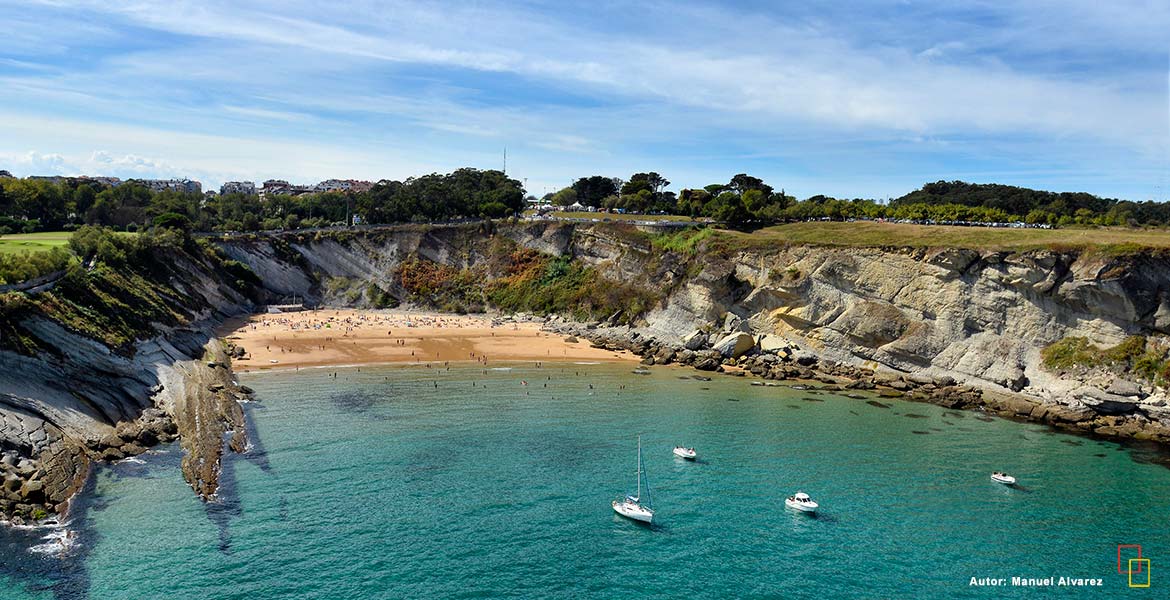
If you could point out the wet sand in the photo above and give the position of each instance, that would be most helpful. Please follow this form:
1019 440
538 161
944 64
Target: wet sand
359 337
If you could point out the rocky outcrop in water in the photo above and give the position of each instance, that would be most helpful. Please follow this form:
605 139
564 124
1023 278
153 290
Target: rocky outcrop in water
207 410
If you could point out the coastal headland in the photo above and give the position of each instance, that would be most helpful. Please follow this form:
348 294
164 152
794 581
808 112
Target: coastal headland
334 337
139 345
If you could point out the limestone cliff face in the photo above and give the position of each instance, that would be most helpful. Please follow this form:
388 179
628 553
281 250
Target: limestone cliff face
975 316
980 317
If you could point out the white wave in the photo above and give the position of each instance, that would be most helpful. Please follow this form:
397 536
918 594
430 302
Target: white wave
59 541
500 369
134 460
587 363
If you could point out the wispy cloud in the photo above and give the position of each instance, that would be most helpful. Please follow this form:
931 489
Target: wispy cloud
860 95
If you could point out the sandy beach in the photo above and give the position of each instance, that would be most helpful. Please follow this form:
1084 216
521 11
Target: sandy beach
359 337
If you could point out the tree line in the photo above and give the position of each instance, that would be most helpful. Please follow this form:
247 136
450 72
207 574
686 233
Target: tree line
28 205
747 200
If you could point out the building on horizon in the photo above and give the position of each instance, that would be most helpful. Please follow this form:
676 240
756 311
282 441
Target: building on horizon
54 179
246 188
172 185
280 187
343 185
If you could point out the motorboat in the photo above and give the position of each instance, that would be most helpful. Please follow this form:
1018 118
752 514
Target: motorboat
1003 478
684 452
633 506
800 501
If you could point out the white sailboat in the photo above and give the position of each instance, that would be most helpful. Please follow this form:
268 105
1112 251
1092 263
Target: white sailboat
632 507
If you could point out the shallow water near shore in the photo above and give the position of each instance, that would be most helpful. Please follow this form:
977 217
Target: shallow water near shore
404 481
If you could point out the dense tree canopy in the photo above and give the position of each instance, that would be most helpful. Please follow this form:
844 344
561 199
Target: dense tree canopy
34 204
38 204
591 191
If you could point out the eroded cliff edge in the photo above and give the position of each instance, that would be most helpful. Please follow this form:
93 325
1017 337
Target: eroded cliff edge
114 358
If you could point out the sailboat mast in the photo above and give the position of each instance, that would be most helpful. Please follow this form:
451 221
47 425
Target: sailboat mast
639 468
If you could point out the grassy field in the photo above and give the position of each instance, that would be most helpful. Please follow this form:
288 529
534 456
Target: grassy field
33 242
893 234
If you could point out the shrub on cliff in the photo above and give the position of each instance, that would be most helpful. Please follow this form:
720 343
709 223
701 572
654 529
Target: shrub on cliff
129 287
685 242
15 268
1133 356
442 286
544 284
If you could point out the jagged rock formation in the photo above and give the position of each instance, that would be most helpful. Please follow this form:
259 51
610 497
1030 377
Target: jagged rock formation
67 398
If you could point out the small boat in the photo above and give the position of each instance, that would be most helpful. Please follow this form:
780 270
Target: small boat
1003 478
800 501
632 507
684 452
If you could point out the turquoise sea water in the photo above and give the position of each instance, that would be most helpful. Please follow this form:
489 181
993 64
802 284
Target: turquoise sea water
378 484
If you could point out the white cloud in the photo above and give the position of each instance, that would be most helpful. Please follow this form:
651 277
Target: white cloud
797 74
308 84
211 159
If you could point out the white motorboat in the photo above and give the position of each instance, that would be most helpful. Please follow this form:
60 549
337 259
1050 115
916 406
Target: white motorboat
633 507
684 452
1003 478
801 501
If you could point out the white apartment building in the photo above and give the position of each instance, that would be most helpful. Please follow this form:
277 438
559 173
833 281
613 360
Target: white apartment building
174 185
238 187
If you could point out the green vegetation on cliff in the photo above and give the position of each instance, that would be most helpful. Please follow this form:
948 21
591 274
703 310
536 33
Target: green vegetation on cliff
517 279
543 284
132 286
685 242
15 268
1135 356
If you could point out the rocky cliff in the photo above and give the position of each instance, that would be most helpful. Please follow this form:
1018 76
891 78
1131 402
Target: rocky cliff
120 354
112 360
977 318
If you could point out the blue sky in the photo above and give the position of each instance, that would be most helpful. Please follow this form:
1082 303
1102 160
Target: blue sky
853 99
